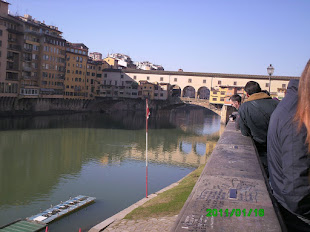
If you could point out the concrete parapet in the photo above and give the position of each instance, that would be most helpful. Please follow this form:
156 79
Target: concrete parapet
232 169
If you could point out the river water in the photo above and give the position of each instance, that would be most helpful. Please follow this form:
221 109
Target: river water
48 159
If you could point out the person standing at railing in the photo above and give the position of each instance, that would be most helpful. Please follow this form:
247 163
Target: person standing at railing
255 114
235 102
289 153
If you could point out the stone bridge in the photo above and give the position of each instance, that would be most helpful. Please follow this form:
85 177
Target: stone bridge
201 102
223 111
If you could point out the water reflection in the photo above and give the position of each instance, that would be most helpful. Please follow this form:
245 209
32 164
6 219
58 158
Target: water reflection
38 153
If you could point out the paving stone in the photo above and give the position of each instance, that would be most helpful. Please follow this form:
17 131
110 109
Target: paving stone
163 224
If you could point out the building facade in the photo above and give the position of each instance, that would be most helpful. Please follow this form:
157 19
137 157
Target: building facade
76 86
95 55
94 77
10 52
195 85
43 60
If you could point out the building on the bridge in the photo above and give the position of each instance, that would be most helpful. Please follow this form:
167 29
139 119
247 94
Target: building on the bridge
153 91
191 85
221 95
217 95
232 90
118 85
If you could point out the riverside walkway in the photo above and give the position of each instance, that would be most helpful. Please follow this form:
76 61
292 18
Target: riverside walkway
231 191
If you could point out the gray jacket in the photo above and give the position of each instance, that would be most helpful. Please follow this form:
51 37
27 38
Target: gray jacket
288 157
255 115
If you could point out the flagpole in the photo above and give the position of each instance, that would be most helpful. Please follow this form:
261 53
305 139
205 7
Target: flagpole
146 126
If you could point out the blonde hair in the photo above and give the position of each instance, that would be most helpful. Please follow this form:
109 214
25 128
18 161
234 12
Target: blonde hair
302 116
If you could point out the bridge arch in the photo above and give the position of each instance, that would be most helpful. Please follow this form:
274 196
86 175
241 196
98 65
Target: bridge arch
200 149
189 91
186 147
175 91
203 93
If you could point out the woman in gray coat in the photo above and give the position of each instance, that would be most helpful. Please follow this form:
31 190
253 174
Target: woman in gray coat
288 155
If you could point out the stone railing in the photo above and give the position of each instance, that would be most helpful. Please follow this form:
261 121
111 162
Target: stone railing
231 193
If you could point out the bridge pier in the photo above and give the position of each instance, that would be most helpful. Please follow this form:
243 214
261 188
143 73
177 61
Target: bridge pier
225 112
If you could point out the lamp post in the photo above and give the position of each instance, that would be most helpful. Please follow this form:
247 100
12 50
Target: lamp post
270 71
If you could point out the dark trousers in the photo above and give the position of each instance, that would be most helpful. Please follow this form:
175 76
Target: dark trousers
262 151
292 222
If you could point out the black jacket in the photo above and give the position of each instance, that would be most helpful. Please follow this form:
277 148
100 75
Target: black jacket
254 119
288 157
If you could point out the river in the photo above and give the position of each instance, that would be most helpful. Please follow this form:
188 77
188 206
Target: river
48 159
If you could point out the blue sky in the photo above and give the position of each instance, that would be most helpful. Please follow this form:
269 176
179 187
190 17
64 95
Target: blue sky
221 36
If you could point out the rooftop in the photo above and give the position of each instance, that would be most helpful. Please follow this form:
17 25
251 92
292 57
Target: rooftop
216 75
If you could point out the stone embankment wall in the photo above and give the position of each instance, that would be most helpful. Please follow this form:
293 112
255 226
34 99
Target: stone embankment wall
25 106
30 106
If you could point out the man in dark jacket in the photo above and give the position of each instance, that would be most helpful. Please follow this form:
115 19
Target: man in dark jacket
289 162
255 114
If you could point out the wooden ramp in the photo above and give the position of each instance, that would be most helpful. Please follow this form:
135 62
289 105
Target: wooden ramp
22 226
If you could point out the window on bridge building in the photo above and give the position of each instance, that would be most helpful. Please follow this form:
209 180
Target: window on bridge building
219 82
189 80
175 79
148 78
267 85
204 81
235 82
283 85
161 79
214 99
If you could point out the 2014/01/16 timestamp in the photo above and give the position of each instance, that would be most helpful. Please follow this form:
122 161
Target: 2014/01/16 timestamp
235 212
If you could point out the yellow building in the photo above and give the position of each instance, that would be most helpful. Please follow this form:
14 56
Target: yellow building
75 78
112 62
217 96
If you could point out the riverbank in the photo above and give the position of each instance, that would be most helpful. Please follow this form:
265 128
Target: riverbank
159 210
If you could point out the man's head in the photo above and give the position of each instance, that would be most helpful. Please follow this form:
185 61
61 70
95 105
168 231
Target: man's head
252 87
235 101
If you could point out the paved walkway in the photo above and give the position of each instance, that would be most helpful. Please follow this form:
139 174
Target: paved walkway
162 224
231 194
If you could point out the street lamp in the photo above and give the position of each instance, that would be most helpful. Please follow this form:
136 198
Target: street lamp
270 71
